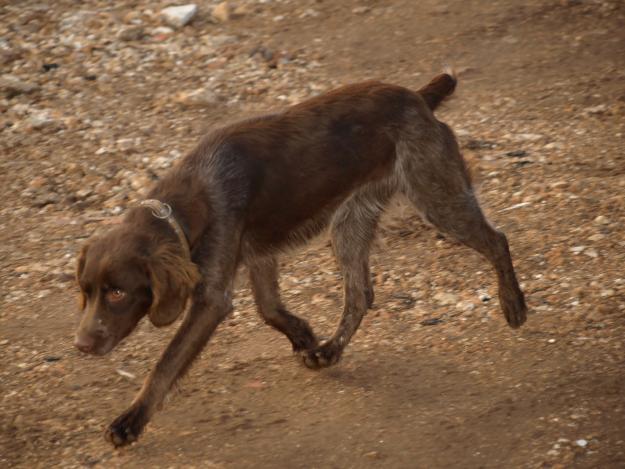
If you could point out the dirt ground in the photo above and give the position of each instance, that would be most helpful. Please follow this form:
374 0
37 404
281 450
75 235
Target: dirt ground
98 98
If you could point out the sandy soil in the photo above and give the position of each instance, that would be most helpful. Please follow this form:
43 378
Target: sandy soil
99 98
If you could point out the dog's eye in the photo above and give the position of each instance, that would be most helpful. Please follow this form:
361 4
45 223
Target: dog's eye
114 295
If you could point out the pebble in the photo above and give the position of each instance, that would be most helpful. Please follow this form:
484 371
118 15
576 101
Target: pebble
197 98
179 16
601 220
12 86
222 12
581 443
598 109
465 306
131 33
529 137
40 119
591 253
431 321
484 297
125 374
446 298
516 153
607 293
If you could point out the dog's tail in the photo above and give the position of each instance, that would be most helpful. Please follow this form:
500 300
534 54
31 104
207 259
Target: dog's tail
441 87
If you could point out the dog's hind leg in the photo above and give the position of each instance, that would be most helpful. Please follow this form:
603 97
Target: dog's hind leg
264 279
433 176
353 230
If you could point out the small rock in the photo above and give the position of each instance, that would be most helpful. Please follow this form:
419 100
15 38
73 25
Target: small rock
9 55
601 220
591 253
465 306
551 341
51 358
598 109
125 144
372 455
477 144
484 297
515 206
581 443
179 16
46 199
222 12
529 137
517 153
130 33
125 374
12 86
50 66
607 293
577 249
37 182
446 298
161 32
200 97
361 10
139 182
431 321
83 193
40 119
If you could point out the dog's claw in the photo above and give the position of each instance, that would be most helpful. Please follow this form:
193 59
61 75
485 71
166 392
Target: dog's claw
323 356
126 428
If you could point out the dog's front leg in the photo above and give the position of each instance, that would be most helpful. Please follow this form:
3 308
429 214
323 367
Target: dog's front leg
198 325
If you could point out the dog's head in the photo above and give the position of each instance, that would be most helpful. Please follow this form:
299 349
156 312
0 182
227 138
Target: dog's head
124 275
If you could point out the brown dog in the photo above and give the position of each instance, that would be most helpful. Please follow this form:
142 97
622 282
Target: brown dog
253 188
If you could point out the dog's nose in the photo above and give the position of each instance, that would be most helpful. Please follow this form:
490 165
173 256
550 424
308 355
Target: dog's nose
84 343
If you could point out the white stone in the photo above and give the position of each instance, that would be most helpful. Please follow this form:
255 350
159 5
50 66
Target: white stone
178 16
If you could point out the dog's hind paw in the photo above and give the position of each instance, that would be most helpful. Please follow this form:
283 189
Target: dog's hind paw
321 357
126 428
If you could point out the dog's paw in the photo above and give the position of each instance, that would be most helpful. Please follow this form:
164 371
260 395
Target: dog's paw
514 309
321 357
127 427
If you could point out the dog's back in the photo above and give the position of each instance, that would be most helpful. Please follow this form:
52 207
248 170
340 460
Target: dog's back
294 168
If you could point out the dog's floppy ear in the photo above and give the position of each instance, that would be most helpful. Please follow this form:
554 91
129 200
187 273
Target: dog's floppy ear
173 278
